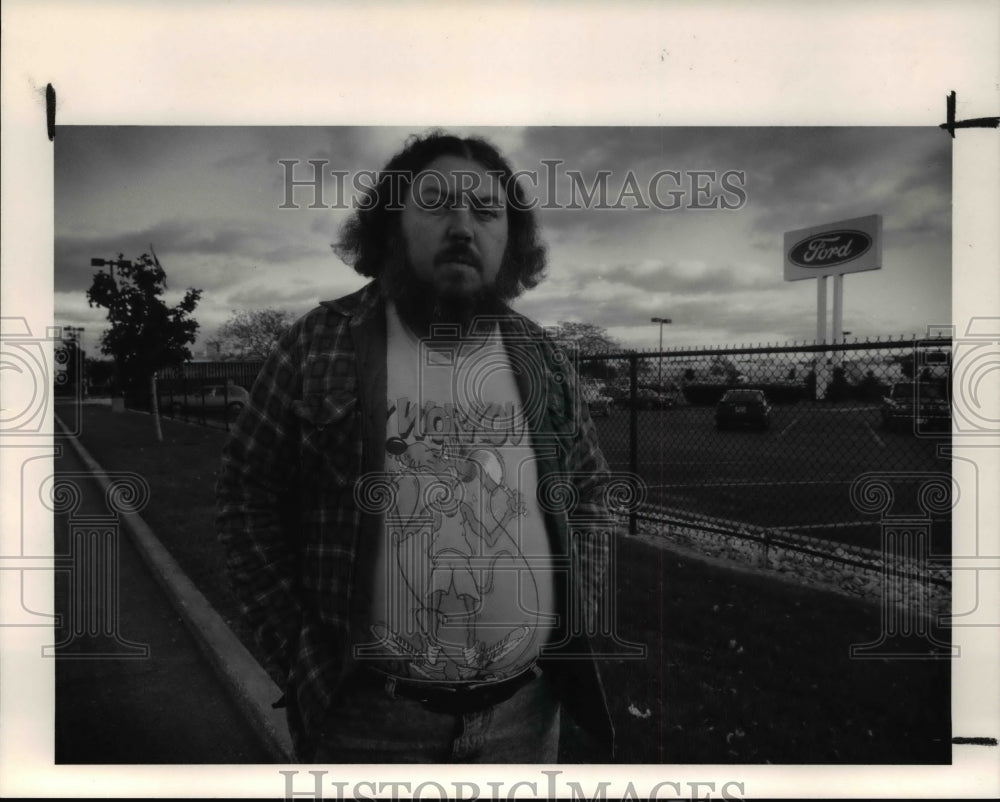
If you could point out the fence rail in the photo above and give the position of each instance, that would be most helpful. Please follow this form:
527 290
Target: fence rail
778 466
781 473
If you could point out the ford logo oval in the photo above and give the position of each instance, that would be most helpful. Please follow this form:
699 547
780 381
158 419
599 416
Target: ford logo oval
829 248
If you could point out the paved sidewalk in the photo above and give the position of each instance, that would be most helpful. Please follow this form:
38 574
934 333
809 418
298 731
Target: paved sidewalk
168 706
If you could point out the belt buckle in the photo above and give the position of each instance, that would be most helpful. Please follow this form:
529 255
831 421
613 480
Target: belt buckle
483 692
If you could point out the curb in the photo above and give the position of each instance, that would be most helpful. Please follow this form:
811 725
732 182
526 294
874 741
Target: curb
856 572
250 686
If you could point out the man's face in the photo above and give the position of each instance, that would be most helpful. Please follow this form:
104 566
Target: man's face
454 225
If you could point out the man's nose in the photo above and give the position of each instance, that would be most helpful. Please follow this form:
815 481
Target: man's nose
460 222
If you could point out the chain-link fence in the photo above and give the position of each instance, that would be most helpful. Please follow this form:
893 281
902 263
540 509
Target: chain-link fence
754 453
764 448
209 393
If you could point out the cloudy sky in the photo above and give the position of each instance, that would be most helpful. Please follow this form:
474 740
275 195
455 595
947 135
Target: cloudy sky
208 200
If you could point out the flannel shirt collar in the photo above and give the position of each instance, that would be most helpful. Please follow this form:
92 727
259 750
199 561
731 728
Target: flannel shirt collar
361 306
543 365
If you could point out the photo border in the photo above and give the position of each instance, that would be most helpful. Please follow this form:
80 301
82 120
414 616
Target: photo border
628 64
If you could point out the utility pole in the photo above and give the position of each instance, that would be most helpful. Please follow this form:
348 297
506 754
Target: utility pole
659 379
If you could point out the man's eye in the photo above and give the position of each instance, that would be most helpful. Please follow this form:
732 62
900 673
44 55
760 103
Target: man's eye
488 212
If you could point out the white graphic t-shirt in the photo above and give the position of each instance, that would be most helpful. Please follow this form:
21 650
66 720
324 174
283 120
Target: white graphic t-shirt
463 587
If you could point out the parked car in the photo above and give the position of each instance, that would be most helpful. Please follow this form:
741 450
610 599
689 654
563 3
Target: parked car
651 398
671 394
212 399
740 407
915 406
619 391
597 398
647 396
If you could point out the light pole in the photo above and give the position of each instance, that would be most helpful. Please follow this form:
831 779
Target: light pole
74 334
111 264
659 379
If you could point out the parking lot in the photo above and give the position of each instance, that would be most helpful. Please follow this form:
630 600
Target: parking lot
796 476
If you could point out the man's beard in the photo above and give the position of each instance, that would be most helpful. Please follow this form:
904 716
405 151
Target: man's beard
424 307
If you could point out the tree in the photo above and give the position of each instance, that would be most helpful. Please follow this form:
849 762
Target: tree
145 335
589 338
100 374
252 333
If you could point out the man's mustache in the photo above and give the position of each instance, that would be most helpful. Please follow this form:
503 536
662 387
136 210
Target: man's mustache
459 253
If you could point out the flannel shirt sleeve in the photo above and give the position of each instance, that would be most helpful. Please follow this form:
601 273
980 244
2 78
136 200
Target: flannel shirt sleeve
254 491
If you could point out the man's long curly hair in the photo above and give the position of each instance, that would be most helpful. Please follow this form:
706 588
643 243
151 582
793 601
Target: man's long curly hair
371 235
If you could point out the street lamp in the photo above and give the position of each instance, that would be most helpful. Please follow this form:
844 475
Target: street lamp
661 321
110 264
73 333
77 366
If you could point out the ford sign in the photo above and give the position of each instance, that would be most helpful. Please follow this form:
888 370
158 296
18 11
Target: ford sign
834 248
829 248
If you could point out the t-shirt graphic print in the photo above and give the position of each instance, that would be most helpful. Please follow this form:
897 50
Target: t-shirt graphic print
463 586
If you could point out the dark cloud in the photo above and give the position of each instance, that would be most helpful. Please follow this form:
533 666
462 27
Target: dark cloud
737 318
674 279
176 242
295 296
622 148
208 199
803 176
795 176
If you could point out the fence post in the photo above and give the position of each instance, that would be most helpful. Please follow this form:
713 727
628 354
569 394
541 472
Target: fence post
154 389
633 432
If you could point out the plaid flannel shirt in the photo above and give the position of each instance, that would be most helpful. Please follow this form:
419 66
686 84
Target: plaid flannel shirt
290 522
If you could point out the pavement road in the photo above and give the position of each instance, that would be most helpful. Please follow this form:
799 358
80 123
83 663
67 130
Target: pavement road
117 702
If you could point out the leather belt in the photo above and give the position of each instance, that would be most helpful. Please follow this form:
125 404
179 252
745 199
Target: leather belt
456 699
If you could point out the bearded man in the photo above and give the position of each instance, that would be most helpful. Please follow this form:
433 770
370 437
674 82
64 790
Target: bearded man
412 502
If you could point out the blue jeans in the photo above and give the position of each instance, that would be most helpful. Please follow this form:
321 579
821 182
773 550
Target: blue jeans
366 725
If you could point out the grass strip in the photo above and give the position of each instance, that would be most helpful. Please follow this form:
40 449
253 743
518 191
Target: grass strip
740 667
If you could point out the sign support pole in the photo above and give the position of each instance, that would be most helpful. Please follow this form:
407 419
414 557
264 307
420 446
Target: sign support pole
832 249
838 307
821 310
838 316
822 373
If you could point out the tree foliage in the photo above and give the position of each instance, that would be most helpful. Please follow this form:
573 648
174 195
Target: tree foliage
589 338
145 334
100 373
252 333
